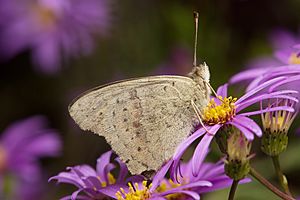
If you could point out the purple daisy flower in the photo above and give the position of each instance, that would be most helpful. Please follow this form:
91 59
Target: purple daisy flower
183 184
289 73
53 30
285 47
21 146
285 62
285 51
94 184
160 188
210 177
276 125
224 111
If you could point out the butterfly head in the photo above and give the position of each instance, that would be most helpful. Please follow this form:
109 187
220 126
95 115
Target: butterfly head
200 73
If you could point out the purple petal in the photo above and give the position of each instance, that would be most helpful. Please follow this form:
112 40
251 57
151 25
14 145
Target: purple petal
258 98
185 144
209 170
160 175
288 80
65 177
283 55
46 54
23 129
249 123
192 194
221 183
181 149
202 149
102 161
253 84
83 170
108 169
297 46
247 133
79 197
258 88
276 72
111 190
200 183
222 90
285 108
123 170
281 39
135 179
75 194
82 174
248 74
92 182
46 144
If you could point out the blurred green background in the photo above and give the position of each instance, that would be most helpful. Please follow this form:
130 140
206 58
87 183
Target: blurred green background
143 37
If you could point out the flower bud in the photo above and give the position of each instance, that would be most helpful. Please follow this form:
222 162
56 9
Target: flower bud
276 125
222 136
237 164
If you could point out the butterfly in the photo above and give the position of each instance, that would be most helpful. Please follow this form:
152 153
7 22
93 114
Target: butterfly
145 119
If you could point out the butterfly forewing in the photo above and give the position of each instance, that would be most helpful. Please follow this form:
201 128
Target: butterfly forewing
143 119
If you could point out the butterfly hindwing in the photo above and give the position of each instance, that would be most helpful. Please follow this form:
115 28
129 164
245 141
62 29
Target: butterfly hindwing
143 119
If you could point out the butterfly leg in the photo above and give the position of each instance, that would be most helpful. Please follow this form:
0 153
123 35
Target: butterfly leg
212 89
198 113
214 92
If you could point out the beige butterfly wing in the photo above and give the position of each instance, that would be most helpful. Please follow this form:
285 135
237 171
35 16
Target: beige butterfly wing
143 119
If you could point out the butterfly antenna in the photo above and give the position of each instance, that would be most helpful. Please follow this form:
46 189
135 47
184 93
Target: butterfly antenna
196 18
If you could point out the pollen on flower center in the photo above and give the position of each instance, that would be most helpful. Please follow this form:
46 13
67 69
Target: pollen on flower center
294 58
219 114
135 192
167 185
279 121
111 180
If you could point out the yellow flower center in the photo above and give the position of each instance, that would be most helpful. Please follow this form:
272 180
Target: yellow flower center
164 186
277 124
219 114
294 58
111 180
134 193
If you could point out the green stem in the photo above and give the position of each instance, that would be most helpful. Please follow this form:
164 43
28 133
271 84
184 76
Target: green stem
281 177
267 184
233 189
